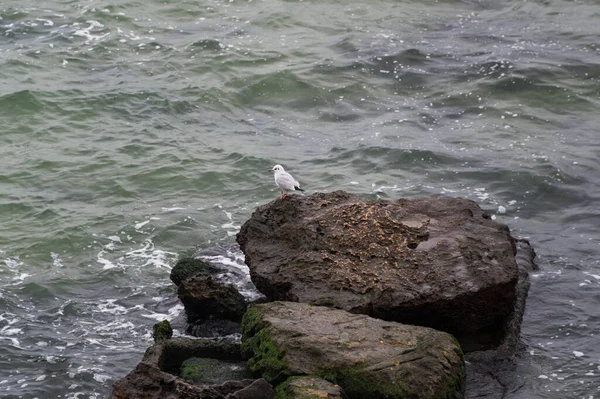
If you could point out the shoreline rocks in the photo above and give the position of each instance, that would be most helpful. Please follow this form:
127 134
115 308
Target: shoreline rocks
348 276
436 262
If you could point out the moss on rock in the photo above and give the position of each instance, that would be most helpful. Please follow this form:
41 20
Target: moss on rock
162 331
264 356
189 266
202 370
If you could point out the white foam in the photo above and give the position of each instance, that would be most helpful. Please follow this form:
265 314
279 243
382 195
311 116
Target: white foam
153 257
86 32
115 238
115 326
101 377
13 263
6 331
56 261
139 225
172 209
109 306
578 354
241 278
501 209
21 277
46 22
106 264
597 277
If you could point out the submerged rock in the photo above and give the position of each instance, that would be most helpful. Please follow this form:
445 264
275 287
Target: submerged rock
204 297
157 375
437 262
368 358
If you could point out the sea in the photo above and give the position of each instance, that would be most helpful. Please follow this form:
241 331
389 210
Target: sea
135 131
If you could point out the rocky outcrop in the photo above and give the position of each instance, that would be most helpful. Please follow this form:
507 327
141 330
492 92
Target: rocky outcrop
366 357
157 376
437 262
204 297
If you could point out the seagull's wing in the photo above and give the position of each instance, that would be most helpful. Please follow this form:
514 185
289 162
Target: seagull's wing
285 181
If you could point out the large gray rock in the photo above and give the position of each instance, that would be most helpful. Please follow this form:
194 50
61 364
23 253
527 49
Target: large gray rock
157 375
204 297
368 358
437 262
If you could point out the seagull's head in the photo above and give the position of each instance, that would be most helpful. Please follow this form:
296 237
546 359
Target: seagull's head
276 168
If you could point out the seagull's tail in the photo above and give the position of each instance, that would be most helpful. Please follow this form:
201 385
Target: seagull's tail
298 189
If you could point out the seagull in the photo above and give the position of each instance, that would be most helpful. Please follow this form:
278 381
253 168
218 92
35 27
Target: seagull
284 181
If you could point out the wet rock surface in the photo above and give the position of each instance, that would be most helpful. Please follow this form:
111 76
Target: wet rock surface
491 373
368 358
204 297
437 262
157 375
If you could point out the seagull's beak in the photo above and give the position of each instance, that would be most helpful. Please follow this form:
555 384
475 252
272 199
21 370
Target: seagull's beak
271 170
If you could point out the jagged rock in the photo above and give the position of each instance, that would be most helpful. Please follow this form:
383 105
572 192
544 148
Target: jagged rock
156 376
204 297
368 358
188 267
437 262
309 388
162 330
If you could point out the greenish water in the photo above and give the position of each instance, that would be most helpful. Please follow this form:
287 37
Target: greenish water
132 131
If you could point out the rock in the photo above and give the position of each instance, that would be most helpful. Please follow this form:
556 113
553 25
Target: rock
259 389
309 388
156 376
437 262
368 358
214 328
205 297
162 330
187 267
491 373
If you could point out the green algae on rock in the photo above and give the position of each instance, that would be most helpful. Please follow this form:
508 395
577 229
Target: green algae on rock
162 331
368 358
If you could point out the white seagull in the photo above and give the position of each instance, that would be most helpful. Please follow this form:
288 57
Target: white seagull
285 181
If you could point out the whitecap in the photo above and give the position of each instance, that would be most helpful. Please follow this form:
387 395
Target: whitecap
139 225
114 238
46 22
56 261
578 354
106 264
174 208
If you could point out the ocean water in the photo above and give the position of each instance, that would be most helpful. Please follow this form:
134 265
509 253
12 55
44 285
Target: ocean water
133 131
